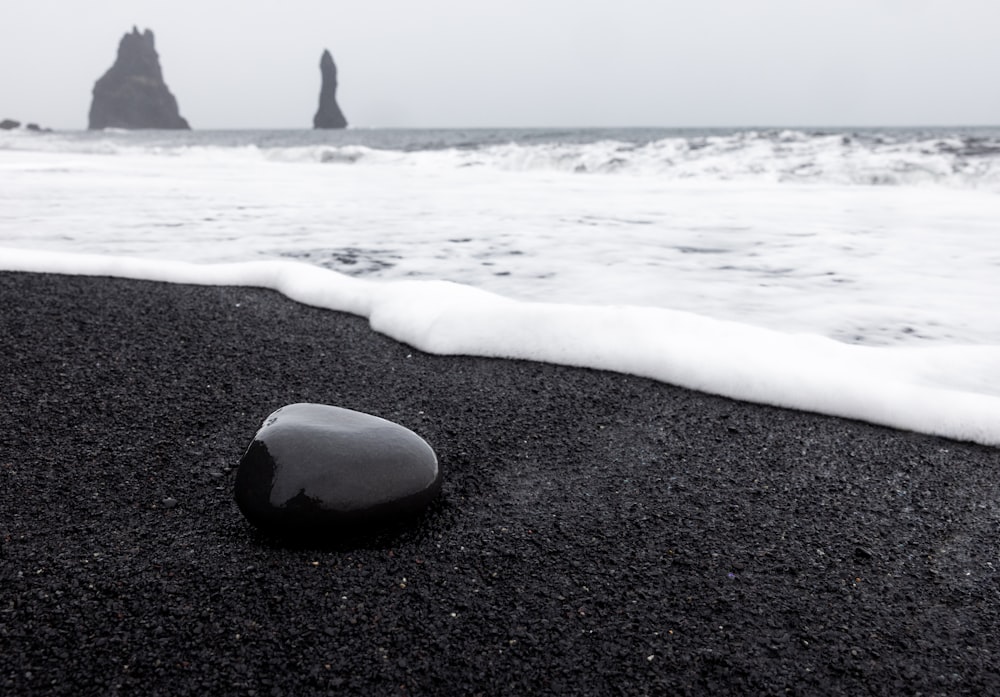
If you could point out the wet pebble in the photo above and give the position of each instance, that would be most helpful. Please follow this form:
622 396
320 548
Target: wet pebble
323 470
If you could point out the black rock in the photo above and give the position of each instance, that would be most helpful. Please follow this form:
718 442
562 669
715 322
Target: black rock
324 471
132 94
11 124
329 114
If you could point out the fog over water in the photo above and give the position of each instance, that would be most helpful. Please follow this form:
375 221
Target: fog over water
457 64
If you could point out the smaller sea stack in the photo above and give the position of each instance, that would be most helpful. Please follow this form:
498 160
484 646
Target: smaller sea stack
132 94
329 114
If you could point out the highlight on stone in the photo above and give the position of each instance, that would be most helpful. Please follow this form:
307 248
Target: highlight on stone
321 470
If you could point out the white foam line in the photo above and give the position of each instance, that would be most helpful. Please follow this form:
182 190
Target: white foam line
927 391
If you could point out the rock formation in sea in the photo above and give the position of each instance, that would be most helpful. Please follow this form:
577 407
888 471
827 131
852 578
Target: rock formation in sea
13 124
329 114
132 94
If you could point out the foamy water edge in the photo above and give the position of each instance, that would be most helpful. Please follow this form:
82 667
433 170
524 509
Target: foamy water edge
949 391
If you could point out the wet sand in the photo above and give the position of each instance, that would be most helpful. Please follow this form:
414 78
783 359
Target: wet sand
597 533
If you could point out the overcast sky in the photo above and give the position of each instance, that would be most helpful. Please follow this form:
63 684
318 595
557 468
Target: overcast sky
481 63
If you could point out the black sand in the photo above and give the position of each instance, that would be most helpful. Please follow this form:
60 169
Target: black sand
598 533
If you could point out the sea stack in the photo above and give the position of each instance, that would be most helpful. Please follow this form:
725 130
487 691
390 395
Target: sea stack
132 94
329 114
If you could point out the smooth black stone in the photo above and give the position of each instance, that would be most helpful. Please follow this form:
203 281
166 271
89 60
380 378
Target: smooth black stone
321 470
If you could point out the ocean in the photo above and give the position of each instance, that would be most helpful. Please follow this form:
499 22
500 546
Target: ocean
853 272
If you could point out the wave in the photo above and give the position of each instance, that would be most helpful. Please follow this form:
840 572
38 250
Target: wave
950 391
787 157
878 158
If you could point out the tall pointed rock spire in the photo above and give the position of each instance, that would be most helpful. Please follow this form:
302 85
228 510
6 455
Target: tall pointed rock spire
329 114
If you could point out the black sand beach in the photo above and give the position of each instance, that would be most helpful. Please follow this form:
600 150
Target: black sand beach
597 533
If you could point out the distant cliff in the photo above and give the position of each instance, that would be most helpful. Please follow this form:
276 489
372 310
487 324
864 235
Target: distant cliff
329 114
132 94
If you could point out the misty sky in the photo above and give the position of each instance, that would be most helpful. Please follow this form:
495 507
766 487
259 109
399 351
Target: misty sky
482 63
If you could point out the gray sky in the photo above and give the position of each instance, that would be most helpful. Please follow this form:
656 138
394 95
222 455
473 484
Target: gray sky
480 63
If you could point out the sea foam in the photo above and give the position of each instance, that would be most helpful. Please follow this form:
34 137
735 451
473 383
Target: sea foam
950 391
861 264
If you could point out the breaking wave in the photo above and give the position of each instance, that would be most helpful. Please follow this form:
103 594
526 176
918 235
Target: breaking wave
968 158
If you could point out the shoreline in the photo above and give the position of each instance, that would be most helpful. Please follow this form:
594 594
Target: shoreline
597 533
